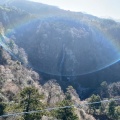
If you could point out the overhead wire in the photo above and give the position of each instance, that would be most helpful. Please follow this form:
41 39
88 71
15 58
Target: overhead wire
55 108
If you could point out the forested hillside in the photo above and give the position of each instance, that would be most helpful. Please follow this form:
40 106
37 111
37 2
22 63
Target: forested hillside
50 57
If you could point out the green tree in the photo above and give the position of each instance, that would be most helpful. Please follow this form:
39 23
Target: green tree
29 101
111 109
102 108
66 113
2 108
117 113
104 90
94 105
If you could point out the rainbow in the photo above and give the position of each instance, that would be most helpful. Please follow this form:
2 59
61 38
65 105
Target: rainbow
108 40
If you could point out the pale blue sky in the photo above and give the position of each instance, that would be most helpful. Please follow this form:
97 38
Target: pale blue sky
100 8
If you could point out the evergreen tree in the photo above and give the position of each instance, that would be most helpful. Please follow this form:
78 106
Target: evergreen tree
2 107
117 113
94 99
29 101
111 109
104 90
67 113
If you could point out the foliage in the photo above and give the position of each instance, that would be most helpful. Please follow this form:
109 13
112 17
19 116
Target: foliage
117 113
92 99
111 109
66 113
3 59
2 108
109 90
104 90
114 89
22 56
102 108
29 101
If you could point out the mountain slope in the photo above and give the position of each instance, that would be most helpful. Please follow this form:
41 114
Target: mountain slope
80 43
76 49
66 43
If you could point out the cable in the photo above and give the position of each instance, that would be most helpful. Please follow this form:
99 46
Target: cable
49 109
102 101
37 111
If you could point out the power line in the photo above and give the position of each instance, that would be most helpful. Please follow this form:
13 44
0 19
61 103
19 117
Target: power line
54 108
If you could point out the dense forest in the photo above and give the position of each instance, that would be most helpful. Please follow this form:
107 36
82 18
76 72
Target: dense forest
61 65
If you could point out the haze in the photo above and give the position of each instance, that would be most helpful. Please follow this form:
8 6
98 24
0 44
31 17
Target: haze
100 8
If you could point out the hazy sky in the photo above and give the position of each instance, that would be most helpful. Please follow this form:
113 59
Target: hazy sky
101 8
